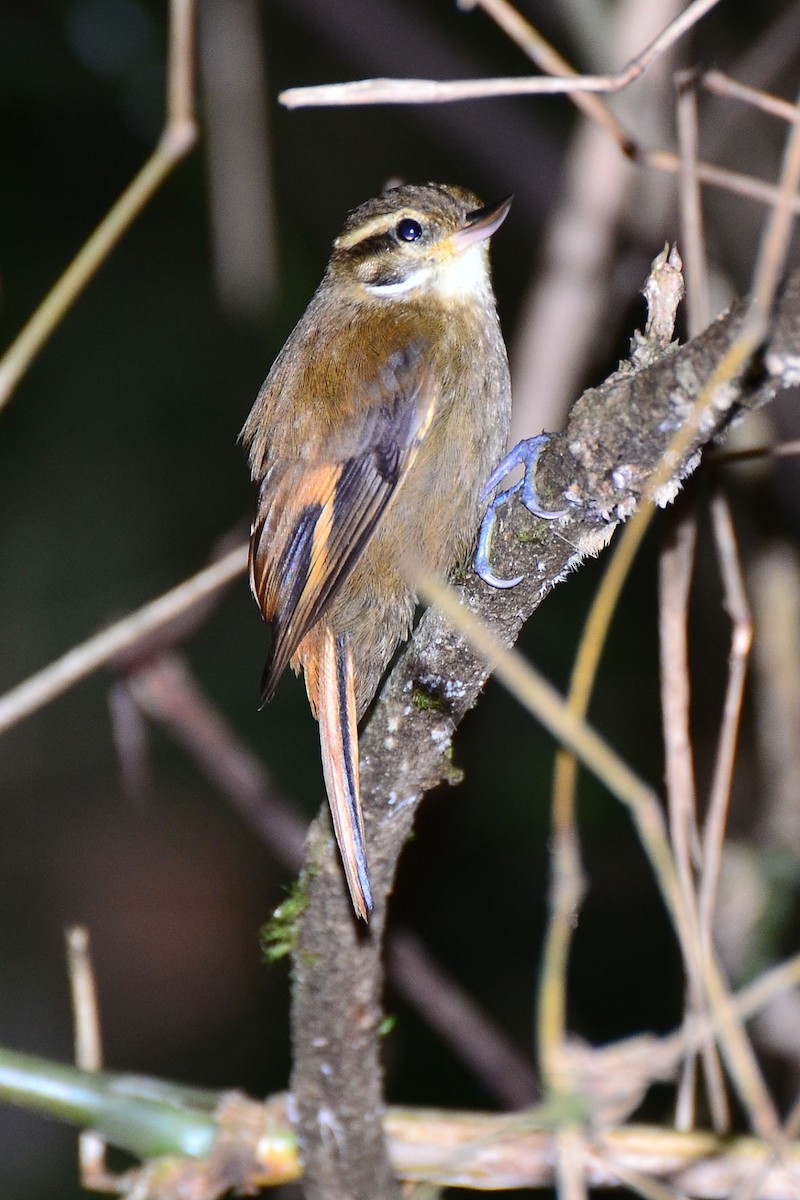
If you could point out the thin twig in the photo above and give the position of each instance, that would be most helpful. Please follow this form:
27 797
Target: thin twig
427 91
676 564
738 609
734 182
692 235
777 232
775 583
88 1051
86 1021
177 139
788 449
570 1168
39 689
549 60
675 574
683 819
646 1186
720 84
541 699
167 691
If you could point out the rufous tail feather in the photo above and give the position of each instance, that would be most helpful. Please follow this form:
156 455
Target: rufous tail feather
336 713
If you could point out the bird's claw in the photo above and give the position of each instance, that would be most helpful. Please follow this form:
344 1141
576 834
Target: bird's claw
526 454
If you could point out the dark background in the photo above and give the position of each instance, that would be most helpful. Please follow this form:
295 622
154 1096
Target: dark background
120 470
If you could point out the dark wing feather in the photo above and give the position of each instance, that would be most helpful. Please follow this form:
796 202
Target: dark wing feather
314 520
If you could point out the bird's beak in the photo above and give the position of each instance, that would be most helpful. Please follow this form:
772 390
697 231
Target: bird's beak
482 223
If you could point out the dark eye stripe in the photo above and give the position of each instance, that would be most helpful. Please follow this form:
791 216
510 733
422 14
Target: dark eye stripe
369 247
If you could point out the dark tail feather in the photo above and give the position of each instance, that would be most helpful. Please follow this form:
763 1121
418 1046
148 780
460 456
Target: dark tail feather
269 681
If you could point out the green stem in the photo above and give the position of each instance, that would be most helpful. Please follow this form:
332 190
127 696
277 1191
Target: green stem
143 1116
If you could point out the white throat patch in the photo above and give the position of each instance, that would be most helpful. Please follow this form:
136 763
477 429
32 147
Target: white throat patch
458 278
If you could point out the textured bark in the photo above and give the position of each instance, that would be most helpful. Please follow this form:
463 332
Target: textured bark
604 461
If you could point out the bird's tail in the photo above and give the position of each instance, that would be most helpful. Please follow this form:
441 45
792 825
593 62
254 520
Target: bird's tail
329 680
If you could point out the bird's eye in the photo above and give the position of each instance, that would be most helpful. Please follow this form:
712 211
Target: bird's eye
408 230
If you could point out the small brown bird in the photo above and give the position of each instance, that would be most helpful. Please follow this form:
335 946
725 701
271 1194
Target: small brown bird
370 440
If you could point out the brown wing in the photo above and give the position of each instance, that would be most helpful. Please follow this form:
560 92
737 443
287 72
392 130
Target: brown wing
314 520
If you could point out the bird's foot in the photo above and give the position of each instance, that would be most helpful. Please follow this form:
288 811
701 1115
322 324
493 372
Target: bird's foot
526 454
